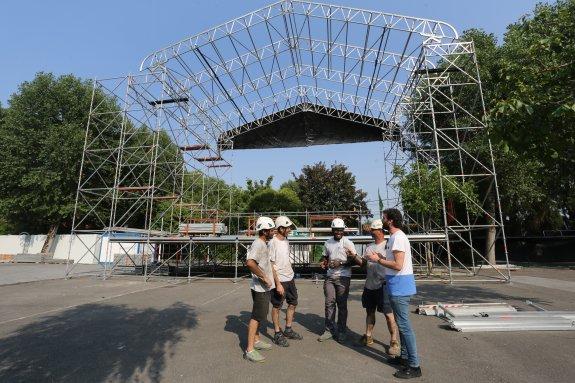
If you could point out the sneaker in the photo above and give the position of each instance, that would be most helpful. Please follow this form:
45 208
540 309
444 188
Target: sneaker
327 335
408 373
280 340
261 345
394 348
254 356
341 337
365 340
398 361
291 334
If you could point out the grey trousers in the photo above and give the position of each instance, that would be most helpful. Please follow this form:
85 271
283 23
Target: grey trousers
336 291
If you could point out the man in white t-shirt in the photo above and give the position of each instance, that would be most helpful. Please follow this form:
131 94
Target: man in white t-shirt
375 296
263 281
279 249
401 287
339 255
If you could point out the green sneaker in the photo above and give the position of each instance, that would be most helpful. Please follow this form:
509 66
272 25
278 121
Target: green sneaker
261 345
325 336
254 356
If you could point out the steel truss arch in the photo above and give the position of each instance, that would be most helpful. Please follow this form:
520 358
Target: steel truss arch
153 160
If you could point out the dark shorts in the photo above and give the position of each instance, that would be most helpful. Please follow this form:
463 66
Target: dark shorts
376 300
261 305
290 295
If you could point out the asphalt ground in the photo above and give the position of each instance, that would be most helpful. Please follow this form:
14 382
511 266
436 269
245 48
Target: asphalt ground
11 273
126 330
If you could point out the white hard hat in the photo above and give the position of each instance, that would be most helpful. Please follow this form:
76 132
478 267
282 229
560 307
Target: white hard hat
376 224
337 223
284 221
264 223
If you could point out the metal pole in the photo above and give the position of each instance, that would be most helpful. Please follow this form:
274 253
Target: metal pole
436 141
190 261
236 263
72 233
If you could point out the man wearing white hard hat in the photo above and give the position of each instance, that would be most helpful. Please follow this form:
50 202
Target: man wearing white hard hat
263 281
375 296
279 249
339 255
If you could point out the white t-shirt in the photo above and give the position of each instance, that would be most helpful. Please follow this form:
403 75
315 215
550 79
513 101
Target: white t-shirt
336 251
402 282
259 252
280 256
375 272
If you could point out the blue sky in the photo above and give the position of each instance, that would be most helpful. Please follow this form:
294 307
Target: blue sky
109 38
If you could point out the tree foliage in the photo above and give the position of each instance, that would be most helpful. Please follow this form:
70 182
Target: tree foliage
269 200
2 115
255 186
534 115
41 139
528 85
421 192
330 189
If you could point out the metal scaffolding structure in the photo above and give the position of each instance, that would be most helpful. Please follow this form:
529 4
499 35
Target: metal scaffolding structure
157 143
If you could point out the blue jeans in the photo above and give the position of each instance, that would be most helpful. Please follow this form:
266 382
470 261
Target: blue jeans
400 306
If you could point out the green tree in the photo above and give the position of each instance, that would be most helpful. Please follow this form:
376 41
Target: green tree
527 84
254 186
269 200
535 113
330 189
2 115
525 203
420 191
42 139
292 185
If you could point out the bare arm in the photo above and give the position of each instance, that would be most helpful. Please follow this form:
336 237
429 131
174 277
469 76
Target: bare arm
396 264
279 286
258 272
353 258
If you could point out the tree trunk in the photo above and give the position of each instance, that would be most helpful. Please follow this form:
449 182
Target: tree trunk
491 232
50 238
490 244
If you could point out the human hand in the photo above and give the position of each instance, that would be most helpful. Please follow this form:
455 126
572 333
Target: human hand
334 264
373 256
280 289
323 264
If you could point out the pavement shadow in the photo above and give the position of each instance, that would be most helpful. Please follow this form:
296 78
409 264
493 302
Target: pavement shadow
433 293
95 343
316 324
438 292
238 324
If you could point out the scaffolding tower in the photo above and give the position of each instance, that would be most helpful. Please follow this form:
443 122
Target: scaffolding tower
157 143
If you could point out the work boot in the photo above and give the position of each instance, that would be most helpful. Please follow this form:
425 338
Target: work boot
280 339
408 373
327 335
398 361
394 348
365 340
254 356
291 334
261 345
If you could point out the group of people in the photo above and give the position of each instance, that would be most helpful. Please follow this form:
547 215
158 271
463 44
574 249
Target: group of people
389 286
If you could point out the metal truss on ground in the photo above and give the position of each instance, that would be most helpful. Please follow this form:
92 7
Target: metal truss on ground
157 143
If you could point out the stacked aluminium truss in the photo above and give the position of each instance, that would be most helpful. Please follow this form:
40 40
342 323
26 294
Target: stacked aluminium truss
157 142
